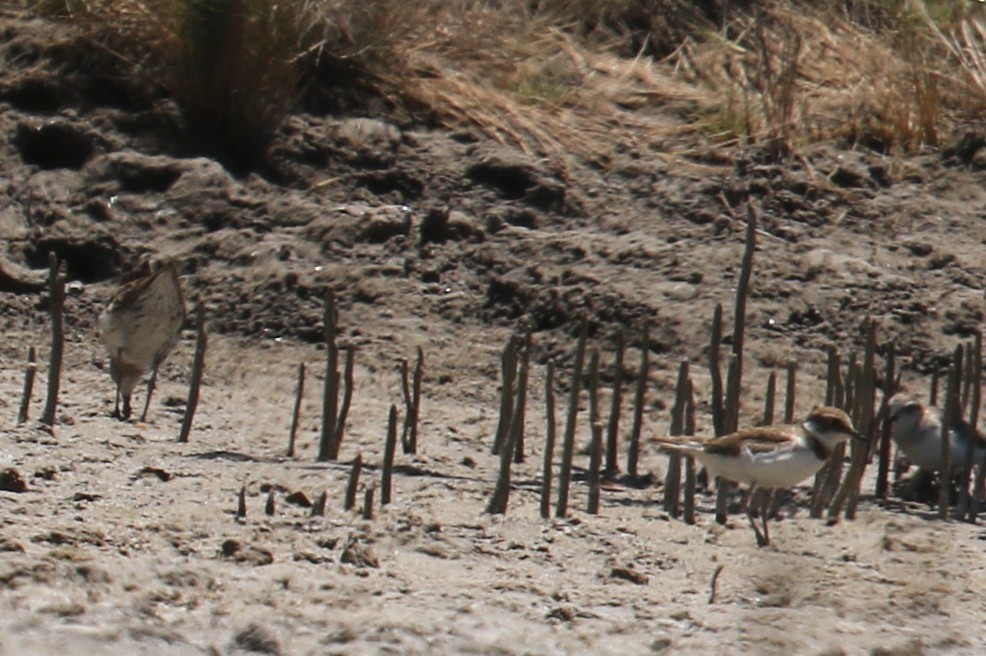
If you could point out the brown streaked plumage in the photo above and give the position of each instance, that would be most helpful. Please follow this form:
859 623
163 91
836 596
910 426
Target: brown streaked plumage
140 327
777 456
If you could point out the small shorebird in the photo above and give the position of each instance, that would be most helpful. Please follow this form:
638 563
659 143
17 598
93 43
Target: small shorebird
916 428
140 327
777 456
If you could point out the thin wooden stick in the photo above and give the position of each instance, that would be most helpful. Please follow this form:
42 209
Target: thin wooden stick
863 419
792 372
241 510
56 306
951 405
508 374
388 456
672 480
690 473
568 443
368 503
549 445
296 414
639 399
501 493
969 499
883 461
613 427
29 372
595 459
768 402
198 367
412 403
347 397
520 404
731 418
718 411
353 485
330 392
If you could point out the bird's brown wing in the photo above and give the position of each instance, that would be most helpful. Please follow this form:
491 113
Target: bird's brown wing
757 440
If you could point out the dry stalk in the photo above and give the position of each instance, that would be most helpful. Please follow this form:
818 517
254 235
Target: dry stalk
296 414
515 426
672 480
595 460
508 374
690 473
388 456
520 405
768 402
863 419
833 468
968 498
715 370
789 400
270 506
412 403
353 484
884 453
29 371
334 417
549 443
951 412
198 367
241 510
568 441
318 508
639 399
56 305
725 486
368 503
613 427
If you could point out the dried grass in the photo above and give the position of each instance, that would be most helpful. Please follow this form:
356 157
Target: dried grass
580 79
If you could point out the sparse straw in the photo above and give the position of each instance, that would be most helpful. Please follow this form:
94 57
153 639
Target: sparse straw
883 460
789 399
639 399
29 371
412 403
549 442
520 405
568 442
270 506
56 306
296 415
388 456
241 511
198 367
613 427
768 402
353 484
508 374
672 480
595 460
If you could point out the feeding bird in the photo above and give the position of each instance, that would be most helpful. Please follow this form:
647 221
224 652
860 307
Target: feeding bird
776 456
140 327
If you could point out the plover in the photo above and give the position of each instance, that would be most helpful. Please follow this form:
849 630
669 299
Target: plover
777 456
916 428
140 327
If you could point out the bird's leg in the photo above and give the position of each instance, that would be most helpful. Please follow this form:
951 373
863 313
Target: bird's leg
127 410
150 391
764 514
762 539
116 403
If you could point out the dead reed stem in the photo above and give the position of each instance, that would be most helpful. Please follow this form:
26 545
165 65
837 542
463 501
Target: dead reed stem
951 410
768 402
390 449
595 460
520 405
672 480
271 506
568 442
549 442
883 459
352 486
789 399
241 510
198 367
613 427
715 370
690 473
848 496
334 417
56 306
29 372
515 426
368 503
412 403
508 374
296 414
639 399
